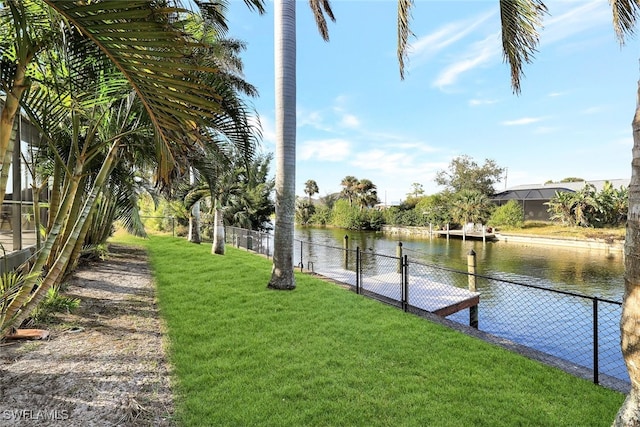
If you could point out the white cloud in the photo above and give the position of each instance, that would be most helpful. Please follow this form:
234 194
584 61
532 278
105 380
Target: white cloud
314 119
381 160
478 102
328 150
521 122
479 54
447 35
584 17
350 121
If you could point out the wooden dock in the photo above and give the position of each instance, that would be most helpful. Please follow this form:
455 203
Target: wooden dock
471 235
424 293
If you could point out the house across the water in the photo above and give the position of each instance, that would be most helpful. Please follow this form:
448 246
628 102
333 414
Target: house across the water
533 197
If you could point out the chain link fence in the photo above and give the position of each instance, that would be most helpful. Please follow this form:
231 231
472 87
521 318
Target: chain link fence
579 329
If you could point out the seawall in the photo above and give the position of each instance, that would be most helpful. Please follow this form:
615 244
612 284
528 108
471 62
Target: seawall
506 238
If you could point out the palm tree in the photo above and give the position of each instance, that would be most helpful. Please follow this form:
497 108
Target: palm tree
310 188
88 91
349 190
366 193
285 96
470 206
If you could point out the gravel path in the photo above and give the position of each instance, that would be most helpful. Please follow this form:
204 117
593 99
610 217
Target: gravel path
103 365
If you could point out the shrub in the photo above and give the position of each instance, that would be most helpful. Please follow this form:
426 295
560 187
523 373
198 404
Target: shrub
510 214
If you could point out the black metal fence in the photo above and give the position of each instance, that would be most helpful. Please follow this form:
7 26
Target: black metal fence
580 329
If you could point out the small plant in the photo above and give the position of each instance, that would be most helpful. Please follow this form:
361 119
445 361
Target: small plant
54 302
10 284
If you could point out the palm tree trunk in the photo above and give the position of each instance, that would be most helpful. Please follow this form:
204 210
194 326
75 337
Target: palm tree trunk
218 229
26 301
7 119
56 193
194 217
285 94
629 413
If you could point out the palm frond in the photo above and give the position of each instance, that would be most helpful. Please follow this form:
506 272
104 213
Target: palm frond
625 16
520 22
321 10
404 32
147 42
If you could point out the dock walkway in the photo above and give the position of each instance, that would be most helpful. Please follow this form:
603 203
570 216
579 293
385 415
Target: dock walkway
471 235
424 293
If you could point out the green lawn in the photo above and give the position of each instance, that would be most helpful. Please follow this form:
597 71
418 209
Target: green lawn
323 356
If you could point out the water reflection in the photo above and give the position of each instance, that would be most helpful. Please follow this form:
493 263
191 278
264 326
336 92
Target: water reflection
586 271
551 322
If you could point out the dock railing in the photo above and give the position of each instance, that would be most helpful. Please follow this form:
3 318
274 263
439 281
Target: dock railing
579 329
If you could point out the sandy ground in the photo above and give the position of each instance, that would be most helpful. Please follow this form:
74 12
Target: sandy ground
103 365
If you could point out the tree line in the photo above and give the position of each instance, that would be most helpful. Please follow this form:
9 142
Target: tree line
465 199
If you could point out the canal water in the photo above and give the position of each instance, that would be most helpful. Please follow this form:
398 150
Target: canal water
515 312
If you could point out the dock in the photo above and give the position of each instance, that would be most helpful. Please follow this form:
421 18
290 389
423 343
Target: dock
471 235
424 294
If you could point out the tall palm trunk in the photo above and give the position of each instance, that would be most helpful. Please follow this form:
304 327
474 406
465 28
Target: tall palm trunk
285 94
629 413
218 229
194 216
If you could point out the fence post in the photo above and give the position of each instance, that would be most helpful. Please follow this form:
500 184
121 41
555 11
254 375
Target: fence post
301 249
345 245
249 242
471 269
358 284
405 283
399 256
596 363
268 245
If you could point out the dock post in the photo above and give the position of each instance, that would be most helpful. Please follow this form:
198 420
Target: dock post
430 230
345 245
447 231
484 233
471 268
399 256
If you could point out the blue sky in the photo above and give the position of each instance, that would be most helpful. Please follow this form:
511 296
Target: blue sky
356 117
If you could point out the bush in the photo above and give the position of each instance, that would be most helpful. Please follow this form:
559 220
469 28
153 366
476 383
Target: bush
508 215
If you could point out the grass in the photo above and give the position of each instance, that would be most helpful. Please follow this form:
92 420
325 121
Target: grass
546 229
323 356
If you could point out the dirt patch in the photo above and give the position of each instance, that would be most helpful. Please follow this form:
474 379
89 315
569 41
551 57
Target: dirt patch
103 365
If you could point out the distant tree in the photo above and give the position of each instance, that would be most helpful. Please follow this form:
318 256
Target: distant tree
366 194
310 189
465 174
590 208
304 211
471 206
417 190
349 184
414 196
572 179
435 209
